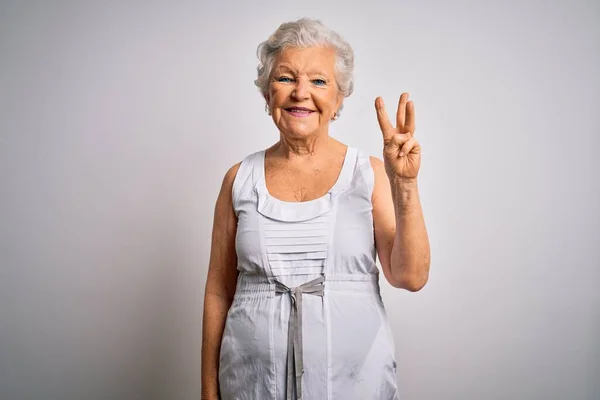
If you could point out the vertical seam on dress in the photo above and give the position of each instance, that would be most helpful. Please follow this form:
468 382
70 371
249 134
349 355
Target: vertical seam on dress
370 187
326 302
330 257
257 162
327 309
257 176
272 347
366 169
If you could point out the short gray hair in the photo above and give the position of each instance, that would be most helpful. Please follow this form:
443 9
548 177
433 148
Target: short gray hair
303 33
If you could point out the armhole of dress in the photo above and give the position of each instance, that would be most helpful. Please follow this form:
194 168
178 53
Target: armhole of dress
242 175
368 175
366 171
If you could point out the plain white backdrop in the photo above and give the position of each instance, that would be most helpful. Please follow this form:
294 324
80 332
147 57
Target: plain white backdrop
118 121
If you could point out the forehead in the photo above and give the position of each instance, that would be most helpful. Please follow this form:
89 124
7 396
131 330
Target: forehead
306 60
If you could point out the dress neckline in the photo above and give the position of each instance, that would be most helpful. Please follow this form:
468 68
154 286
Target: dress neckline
294 211
336 184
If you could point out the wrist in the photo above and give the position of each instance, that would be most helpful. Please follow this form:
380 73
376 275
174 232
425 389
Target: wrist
403 183
405 194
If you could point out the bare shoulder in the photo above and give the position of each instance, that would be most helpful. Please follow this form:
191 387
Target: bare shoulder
224 203
230 175
382 184
377 164
225 219
225 195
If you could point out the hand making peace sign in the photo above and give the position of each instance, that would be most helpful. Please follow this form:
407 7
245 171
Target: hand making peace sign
401 151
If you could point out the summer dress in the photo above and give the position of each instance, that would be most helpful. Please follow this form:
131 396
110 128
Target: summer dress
307 320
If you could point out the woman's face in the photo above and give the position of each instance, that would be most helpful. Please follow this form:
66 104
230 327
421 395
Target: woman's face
303 95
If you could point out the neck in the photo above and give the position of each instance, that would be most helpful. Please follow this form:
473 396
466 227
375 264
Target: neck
303 147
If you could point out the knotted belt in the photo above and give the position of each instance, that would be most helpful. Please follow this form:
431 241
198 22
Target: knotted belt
295 363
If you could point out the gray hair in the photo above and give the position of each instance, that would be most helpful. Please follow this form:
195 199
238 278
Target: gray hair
303 33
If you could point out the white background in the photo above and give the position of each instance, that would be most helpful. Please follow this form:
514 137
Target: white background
118 121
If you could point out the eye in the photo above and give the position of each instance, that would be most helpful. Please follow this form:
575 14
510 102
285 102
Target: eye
284 79
319 82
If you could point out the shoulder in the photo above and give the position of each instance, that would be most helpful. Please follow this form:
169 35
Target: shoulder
368 162
230 175
372 171
378 167
241 177
381 184
225 195
243 167
376 164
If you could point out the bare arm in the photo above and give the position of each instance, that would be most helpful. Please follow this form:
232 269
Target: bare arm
400 233
220 285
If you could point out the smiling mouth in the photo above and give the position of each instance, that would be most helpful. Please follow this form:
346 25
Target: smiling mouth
299 111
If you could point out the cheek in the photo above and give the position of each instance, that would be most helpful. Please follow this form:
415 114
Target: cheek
326 102
277 96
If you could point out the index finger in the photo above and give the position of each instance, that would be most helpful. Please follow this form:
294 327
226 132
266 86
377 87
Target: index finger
383 119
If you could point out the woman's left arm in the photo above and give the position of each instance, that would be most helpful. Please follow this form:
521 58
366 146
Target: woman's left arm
400 233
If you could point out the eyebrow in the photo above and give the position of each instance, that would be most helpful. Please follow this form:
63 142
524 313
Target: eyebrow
290 69
285 67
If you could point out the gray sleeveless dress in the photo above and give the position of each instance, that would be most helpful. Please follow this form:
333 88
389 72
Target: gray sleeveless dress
307 320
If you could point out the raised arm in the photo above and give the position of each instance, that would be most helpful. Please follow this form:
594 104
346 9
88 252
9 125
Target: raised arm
400 234
220 285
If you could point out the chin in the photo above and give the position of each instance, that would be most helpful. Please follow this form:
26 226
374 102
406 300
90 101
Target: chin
299 131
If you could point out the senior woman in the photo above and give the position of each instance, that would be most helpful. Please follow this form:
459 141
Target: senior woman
292 305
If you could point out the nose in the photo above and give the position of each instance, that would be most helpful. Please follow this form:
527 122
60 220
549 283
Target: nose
302 90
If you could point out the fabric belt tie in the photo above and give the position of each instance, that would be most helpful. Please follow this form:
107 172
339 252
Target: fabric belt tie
295 363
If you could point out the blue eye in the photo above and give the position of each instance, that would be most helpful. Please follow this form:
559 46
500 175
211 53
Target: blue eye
284 79
319 82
